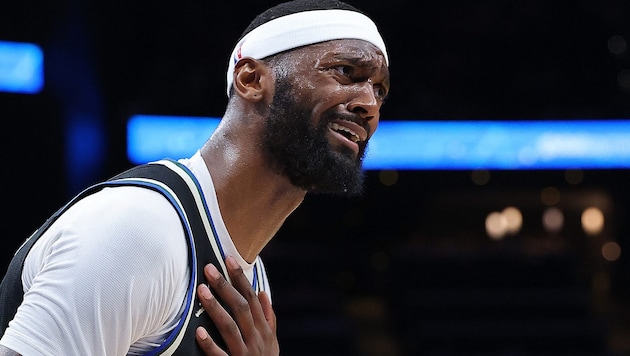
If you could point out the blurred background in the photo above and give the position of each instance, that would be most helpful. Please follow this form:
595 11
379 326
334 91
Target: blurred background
427 262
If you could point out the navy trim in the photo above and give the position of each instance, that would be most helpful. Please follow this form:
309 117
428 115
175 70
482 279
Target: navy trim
205 206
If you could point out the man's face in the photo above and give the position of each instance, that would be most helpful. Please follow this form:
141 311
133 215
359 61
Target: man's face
325 107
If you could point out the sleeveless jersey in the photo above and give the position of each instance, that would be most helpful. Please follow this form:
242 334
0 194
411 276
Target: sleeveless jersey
179 186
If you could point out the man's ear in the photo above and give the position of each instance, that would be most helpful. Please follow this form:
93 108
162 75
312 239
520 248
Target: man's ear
252 79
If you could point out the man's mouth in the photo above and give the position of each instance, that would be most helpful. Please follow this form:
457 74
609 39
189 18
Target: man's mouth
346 132
349 130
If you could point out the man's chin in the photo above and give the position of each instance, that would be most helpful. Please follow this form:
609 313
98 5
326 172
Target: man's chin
340 191
342 181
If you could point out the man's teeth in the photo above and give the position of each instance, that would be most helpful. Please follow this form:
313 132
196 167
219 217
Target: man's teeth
352 135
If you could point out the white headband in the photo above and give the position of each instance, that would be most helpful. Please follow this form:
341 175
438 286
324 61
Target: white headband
301 29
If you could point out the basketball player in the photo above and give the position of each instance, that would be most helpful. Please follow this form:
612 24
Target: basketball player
112 274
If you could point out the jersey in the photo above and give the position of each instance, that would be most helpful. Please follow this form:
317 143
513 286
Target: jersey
121 263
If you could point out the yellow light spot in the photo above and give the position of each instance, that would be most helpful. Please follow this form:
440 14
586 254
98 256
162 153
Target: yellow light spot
592 221
496 225
514 219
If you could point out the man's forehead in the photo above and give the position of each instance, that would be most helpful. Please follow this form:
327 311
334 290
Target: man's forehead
352 51
348 48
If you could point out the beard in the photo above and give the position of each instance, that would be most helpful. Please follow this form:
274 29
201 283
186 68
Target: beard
300 150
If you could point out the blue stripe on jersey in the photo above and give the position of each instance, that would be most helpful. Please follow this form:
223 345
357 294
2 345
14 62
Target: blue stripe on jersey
205 206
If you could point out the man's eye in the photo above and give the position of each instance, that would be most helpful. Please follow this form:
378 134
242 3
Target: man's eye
380 92
343 70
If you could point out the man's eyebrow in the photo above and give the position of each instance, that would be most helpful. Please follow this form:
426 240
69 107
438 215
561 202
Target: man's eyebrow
356 59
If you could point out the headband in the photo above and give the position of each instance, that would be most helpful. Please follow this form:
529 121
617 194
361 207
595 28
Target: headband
301 29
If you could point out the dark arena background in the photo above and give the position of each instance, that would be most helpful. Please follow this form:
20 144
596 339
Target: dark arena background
417 266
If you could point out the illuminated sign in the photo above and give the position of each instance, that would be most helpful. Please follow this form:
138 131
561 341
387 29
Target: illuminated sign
21 67
429 145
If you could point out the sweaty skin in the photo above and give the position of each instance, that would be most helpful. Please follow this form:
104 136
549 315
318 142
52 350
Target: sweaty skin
348 78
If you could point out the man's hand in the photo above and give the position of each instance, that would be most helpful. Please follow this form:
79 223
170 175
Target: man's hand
252 330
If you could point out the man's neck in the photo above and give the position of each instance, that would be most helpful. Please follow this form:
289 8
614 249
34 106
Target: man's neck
254 201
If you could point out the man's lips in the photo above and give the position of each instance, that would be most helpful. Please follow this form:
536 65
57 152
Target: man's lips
348 133
348 129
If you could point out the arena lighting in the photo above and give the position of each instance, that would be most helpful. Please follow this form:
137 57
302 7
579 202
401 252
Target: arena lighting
21 68
430 145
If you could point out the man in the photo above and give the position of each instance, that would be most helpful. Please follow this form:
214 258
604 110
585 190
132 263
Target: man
306 82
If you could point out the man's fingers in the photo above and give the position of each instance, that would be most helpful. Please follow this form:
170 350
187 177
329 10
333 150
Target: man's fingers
240 323
236 296
247 311
245 320
244 287
267 309
222 319
263 328
269 334
207 344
